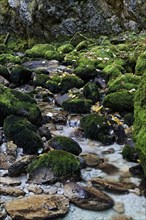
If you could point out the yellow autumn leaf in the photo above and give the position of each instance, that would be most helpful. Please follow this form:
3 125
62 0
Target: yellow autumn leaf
96 107
116 120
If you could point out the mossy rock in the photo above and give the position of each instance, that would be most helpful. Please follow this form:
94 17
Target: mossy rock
62 163
54 55
82 45
9 58
140 121
66 144
129 153
15 102
69 81
141 64
127 81
77 38
20 74
120 101
129 119
77 105
91 91
23 133
40 80
112 71
39 50
4 72
71 57
85 71
4 49
96 127
66 48
53 84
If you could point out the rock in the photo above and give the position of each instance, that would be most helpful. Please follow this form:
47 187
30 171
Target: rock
21 104
121 217
37 207
96 127
90 91
136 170
39 50
129 153
35 189
109 186
4 72
23 133
18 167
4 81
66 144
119 134
44 132
108 168
91 160
11 191
87 198
119 207
9 181
56 165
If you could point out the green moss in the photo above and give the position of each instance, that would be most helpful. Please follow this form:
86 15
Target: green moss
23 133
129 119
77 38
77 105
85 70
8 58
82 45
71 57
59 161
15 102
39 50
127 81
66 48
69 81
20 74
129 153
66 144
141 64
140 121
4 49
54 55
112 71
53 84
90 91
40 80
120 101
96 127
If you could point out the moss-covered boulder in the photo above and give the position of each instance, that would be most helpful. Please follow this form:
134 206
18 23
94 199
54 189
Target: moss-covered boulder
141 64
66 48
71 58
112 71
53 84
127 81
39 50
91 91
69 81
61 163
77 38
40 80
120 101
66 144
96 127
129 153
4 72
9 58
22 133
20 74
77 105
15 102
140 121
82 45
54 55
85 70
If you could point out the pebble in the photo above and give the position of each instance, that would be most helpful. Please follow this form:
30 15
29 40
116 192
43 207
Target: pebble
119 207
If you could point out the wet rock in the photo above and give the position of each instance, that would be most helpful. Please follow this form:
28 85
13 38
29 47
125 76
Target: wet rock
109 151
119 134
44 132
2 214
4 81
129 153
119 207
136 170
90 91
108 168
9 181
35 189
11 191
18 167
109 186
87 198
100 81
66 144
59 99
91 160
37 207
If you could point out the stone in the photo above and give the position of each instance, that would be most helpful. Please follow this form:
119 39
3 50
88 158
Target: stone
110 186
9 181
35 189
11 191
119 207
121 217
91 160
87 197
37 207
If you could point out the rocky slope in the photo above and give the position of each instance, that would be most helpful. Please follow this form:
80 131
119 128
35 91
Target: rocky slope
50 18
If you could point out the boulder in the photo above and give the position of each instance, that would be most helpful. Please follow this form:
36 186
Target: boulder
91 91
23 133
87 198
66 144
37 207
